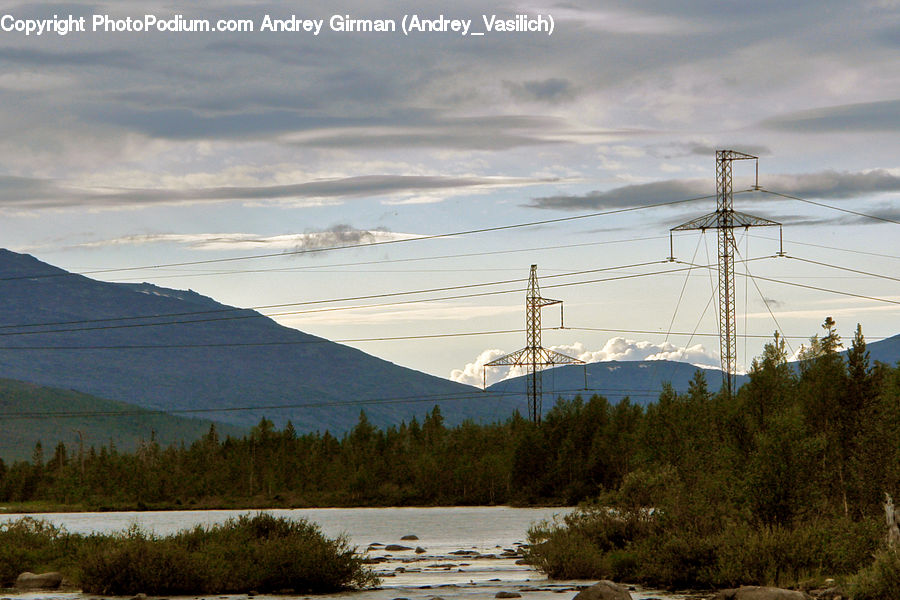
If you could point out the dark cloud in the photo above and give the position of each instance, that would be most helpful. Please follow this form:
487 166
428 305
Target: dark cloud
24 193
864 117
44 58
699 149
336 236
833 184
809 186
629 195
186 124
550 91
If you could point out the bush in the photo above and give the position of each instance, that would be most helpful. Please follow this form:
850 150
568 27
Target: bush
261 553
30 544
879 581
666 549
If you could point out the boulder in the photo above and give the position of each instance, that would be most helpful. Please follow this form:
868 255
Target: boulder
42 581
410 537
604 590
754 592
507 595
420 550
396 548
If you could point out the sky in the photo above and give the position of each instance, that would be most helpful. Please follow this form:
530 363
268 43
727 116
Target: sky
416 151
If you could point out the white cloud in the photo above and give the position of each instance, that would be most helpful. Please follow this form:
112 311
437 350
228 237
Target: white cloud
337 236
617 348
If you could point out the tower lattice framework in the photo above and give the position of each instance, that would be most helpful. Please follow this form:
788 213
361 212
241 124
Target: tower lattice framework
724 221
534 356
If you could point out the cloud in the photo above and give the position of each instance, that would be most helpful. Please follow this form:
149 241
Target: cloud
869 117
617 348
834 184
31 193
822 185
339 235
550 91
629 195
473 373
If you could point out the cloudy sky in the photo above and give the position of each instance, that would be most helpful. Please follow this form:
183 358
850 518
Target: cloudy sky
127 149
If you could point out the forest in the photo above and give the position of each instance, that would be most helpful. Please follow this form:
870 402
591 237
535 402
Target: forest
781 484
820 436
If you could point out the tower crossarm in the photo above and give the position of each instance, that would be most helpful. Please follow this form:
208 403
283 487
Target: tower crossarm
714 221
544 356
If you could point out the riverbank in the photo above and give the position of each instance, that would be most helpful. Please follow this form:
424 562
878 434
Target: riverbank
466 550
259 552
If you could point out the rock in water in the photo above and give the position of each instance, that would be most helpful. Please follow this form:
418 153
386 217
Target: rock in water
604 590
753 592
507 595
43 581
409 537
396 548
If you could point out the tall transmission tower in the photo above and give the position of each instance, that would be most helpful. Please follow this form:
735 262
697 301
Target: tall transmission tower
725 220
533 355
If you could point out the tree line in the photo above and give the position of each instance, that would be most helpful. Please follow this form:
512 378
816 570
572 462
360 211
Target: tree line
821 435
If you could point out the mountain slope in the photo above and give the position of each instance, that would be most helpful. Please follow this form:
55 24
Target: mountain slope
118 423
640 381
209 357
886 350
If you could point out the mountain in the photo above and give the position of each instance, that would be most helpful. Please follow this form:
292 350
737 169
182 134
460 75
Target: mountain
24 422
174 351
183 353
886 350
640 381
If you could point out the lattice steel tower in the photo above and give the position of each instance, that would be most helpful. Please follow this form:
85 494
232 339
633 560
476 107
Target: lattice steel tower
725 220
533 355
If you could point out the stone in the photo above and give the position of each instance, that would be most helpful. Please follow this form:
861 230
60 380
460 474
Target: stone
420 550
42 581
396 548
604 590
410 537
831 593
754 592
507 595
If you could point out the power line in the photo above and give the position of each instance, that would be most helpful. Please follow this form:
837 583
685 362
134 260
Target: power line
304 251
398 260
476 395
289 304
813 287
840 268
837 208
849 250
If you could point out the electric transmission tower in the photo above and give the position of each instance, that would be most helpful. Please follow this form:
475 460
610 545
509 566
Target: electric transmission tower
533 355
725 220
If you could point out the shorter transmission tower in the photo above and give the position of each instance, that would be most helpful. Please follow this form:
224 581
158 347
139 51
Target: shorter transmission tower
725 220
533 355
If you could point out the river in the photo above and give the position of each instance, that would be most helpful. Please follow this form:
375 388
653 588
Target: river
464 553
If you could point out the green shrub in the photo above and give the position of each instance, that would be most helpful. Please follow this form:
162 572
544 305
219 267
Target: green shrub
30 544
880 580
261 553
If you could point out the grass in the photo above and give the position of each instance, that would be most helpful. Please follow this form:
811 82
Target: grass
261 553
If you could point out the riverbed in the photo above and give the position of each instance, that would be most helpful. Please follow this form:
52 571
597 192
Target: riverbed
451 553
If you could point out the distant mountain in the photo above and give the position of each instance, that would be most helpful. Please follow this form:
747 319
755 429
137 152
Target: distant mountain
183 353
124 425
179 351
886 350
640 381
